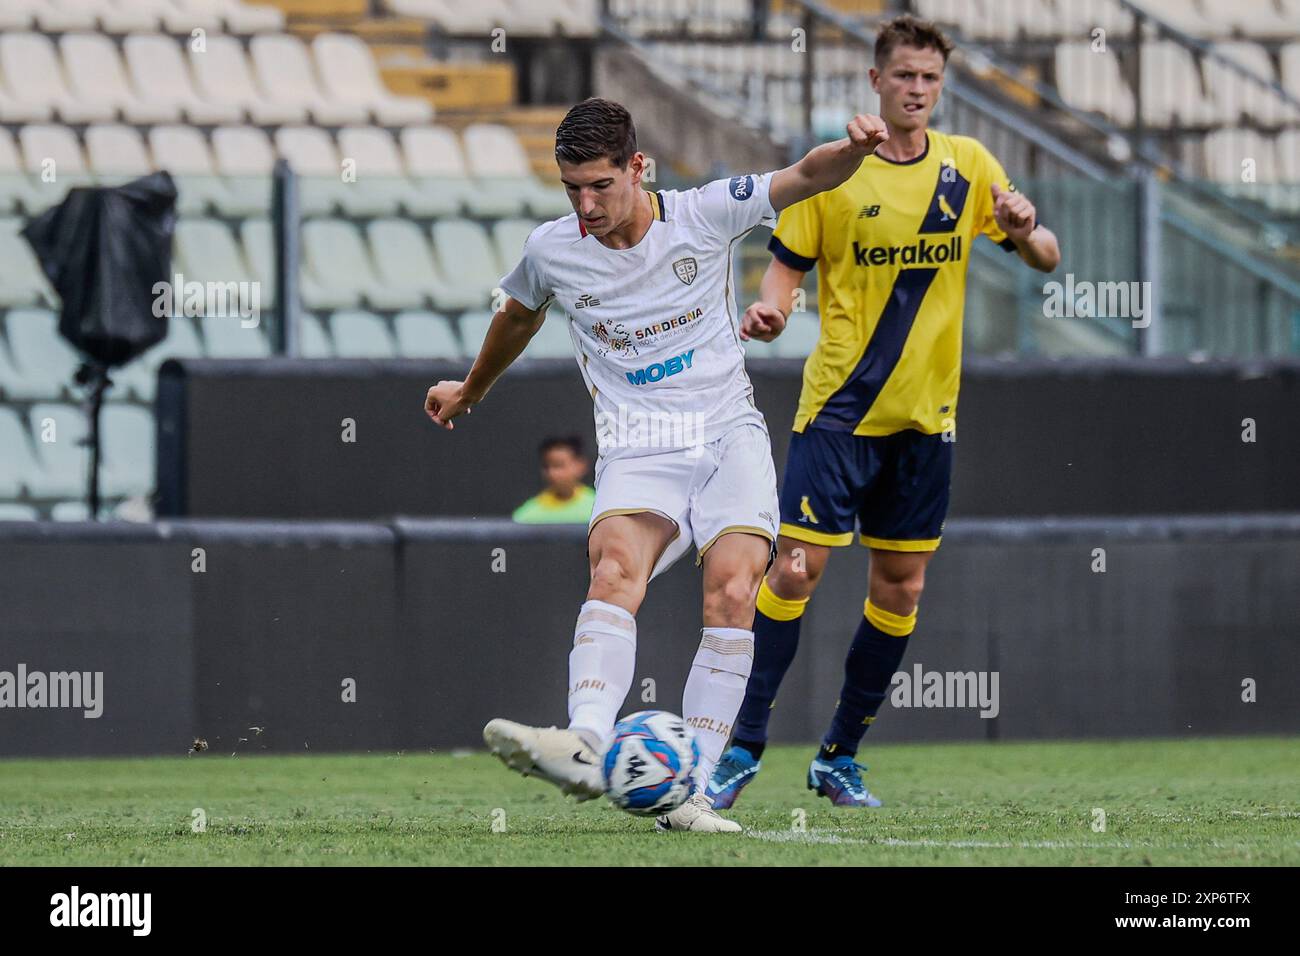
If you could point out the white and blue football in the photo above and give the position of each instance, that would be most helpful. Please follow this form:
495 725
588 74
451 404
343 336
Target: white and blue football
648 767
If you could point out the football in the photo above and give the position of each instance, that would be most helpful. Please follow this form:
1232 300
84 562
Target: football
648 767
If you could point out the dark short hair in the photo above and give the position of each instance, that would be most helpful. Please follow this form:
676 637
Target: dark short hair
907 30
571 442
595 129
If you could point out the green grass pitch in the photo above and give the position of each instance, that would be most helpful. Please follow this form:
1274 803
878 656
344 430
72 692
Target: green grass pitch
1187 802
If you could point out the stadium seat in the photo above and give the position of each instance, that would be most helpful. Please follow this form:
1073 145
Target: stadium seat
33 75
404 261
1172 89
336 259
1252 18
426 335
382 185
183 152
510 236
117 154
311 154
313 343
76 510
57 434
349 75
1225 150
259 253
21 109
60 16
285 75
1092 82
19 468
1287 148
13 511
53 148
222 75
246 158
228 337
359 334
127 444
435 161
43 363
800 336
1236 95
206 251
464 254
135 16
1189 17
506 181
454 17
14 188
473 328
1289 57
238 17
553 339
18 15
159 71
140 377
21 280
98 81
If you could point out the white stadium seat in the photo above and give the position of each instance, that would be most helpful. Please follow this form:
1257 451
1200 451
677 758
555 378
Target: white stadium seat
60 16
183 152
140 377
127 445
222 75
336 259
510 236
238 17
404 261
506 181
359 334
14 188
159 69
43 361
57 435
206 251
382 185
434 159
21 280
1171 87
426 335
799 337
33 74
313 343
311 154
286 75
1092 82
20 469
14 511
228 337
464 254
349 75
246 158
1225 150
1289 56
117 154
97 79
1236 95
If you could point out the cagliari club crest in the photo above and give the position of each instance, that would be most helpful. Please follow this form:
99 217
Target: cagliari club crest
686 269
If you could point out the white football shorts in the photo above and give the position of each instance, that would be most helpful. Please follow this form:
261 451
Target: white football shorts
706 490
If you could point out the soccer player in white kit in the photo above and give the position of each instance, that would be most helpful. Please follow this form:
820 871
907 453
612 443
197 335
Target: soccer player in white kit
645 280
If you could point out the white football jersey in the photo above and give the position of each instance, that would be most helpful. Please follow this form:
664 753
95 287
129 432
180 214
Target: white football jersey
655 327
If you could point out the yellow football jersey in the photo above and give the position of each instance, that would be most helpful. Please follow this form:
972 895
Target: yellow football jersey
891 247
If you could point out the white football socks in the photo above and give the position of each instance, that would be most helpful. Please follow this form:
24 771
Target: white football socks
601 666
714 691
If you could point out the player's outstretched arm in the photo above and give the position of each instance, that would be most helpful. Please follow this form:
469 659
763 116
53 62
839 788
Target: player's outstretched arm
509 333
765 319
826 166
1018 218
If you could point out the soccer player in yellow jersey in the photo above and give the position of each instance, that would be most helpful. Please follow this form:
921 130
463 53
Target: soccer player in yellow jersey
872 442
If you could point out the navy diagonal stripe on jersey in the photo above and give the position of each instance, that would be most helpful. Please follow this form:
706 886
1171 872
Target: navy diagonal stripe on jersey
952 187
852 400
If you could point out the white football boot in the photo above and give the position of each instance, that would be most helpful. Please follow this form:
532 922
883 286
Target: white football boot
558 756
696 815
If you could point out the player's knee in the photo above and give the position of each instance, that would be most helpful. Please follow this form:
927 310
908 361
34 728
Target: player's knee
731 601
795 572
899 593
612 573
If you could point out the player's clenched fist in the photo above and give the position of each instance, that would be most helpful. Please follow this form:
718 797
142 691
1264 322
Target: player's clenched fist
762 321
1014 213
446 401
866 132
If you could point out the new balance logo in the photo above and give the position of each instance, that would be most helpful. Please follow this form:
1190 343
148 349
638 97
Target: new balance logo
869 212
585 301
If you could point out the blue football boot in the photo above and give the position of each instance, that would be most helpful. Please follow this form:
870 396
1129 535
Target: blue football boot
736 768
840 781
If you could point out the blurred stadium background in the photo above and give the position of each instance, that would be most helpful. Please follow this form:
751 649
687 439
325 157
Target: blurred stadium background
409 145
